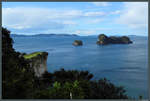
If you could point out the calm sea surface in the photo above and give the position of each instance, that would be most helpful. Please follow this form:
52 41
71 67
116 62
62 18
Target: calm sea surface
124 65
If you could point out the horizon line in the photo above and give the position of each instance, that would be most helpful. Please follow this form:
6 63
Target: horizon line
72 34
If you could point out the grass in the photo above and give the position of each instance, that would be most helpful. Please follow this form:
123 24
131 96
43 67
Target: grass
29 56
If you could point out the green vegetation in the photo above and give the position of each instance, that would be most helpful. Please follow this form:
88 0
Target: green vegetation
102 37
61 83
29 56
17 77
59 91
104 40
19 81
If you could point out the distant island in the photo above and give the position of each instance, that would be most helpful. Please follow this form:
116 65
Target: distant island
55 34
25 76
42 35
105 40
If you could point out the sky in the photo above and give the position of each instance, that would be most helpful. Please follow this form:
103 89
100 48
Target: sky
81 18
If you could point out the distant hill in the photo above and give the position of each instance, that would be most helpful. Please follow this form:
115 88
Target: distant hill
132 36
42 35
49 35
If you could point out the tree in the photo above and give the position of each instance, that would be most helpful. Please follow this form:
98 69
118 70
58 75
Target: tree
18 80
80 85
16 74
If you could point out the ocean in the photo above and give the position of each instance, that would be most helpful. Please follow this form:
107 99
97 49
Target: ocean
123 64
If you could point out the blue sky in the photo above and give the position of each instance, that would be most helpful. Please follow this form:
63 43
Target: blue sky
82 18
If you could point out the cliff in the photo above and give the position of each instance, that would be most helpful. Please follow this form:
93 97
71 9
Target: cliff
38 61
104 40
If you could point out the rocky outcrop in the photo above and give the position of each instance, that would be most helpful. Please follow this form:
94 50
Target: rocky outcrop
38 61
77 43
104 40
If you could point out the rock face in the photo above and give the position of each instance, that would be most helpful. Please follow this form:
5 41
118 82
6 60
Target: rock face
77 43
104 40
38 61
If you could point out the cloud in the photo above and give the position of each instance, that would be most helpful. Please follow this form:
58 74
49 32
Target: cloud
116 12
134 15
85 32
69 22
21 19
94 21
93 31
37 19
94 14
101 3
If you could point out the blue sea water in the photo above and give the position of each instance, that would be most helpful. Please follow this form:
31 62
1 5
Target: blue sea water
124 65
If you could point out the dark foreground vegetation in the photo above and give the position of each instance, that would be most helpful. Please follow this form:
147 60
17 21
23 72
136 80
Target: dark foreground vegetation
19 82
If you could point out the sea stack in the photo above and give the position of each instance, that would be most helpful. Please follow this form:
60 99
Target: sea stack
104 40
38 61
77 43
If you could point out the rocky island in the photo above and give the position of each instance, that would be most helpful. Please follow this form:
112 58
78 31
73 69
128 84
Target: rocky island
37 61
20 81
104 40
77 43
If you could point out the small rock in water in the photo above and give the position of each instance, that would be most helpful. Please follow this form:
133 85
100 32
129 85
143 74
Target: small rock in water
77 43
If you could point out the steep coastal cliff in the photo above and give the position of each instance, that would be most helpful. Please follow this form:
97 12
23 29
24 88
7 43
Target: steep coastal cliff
38 61
19 82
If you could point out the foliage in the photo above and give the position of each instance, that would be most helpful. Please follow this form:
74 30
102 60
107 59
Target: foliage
19 82
61 91
71 75
103 40
17 76
81 86
103 89
28 56
102 37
